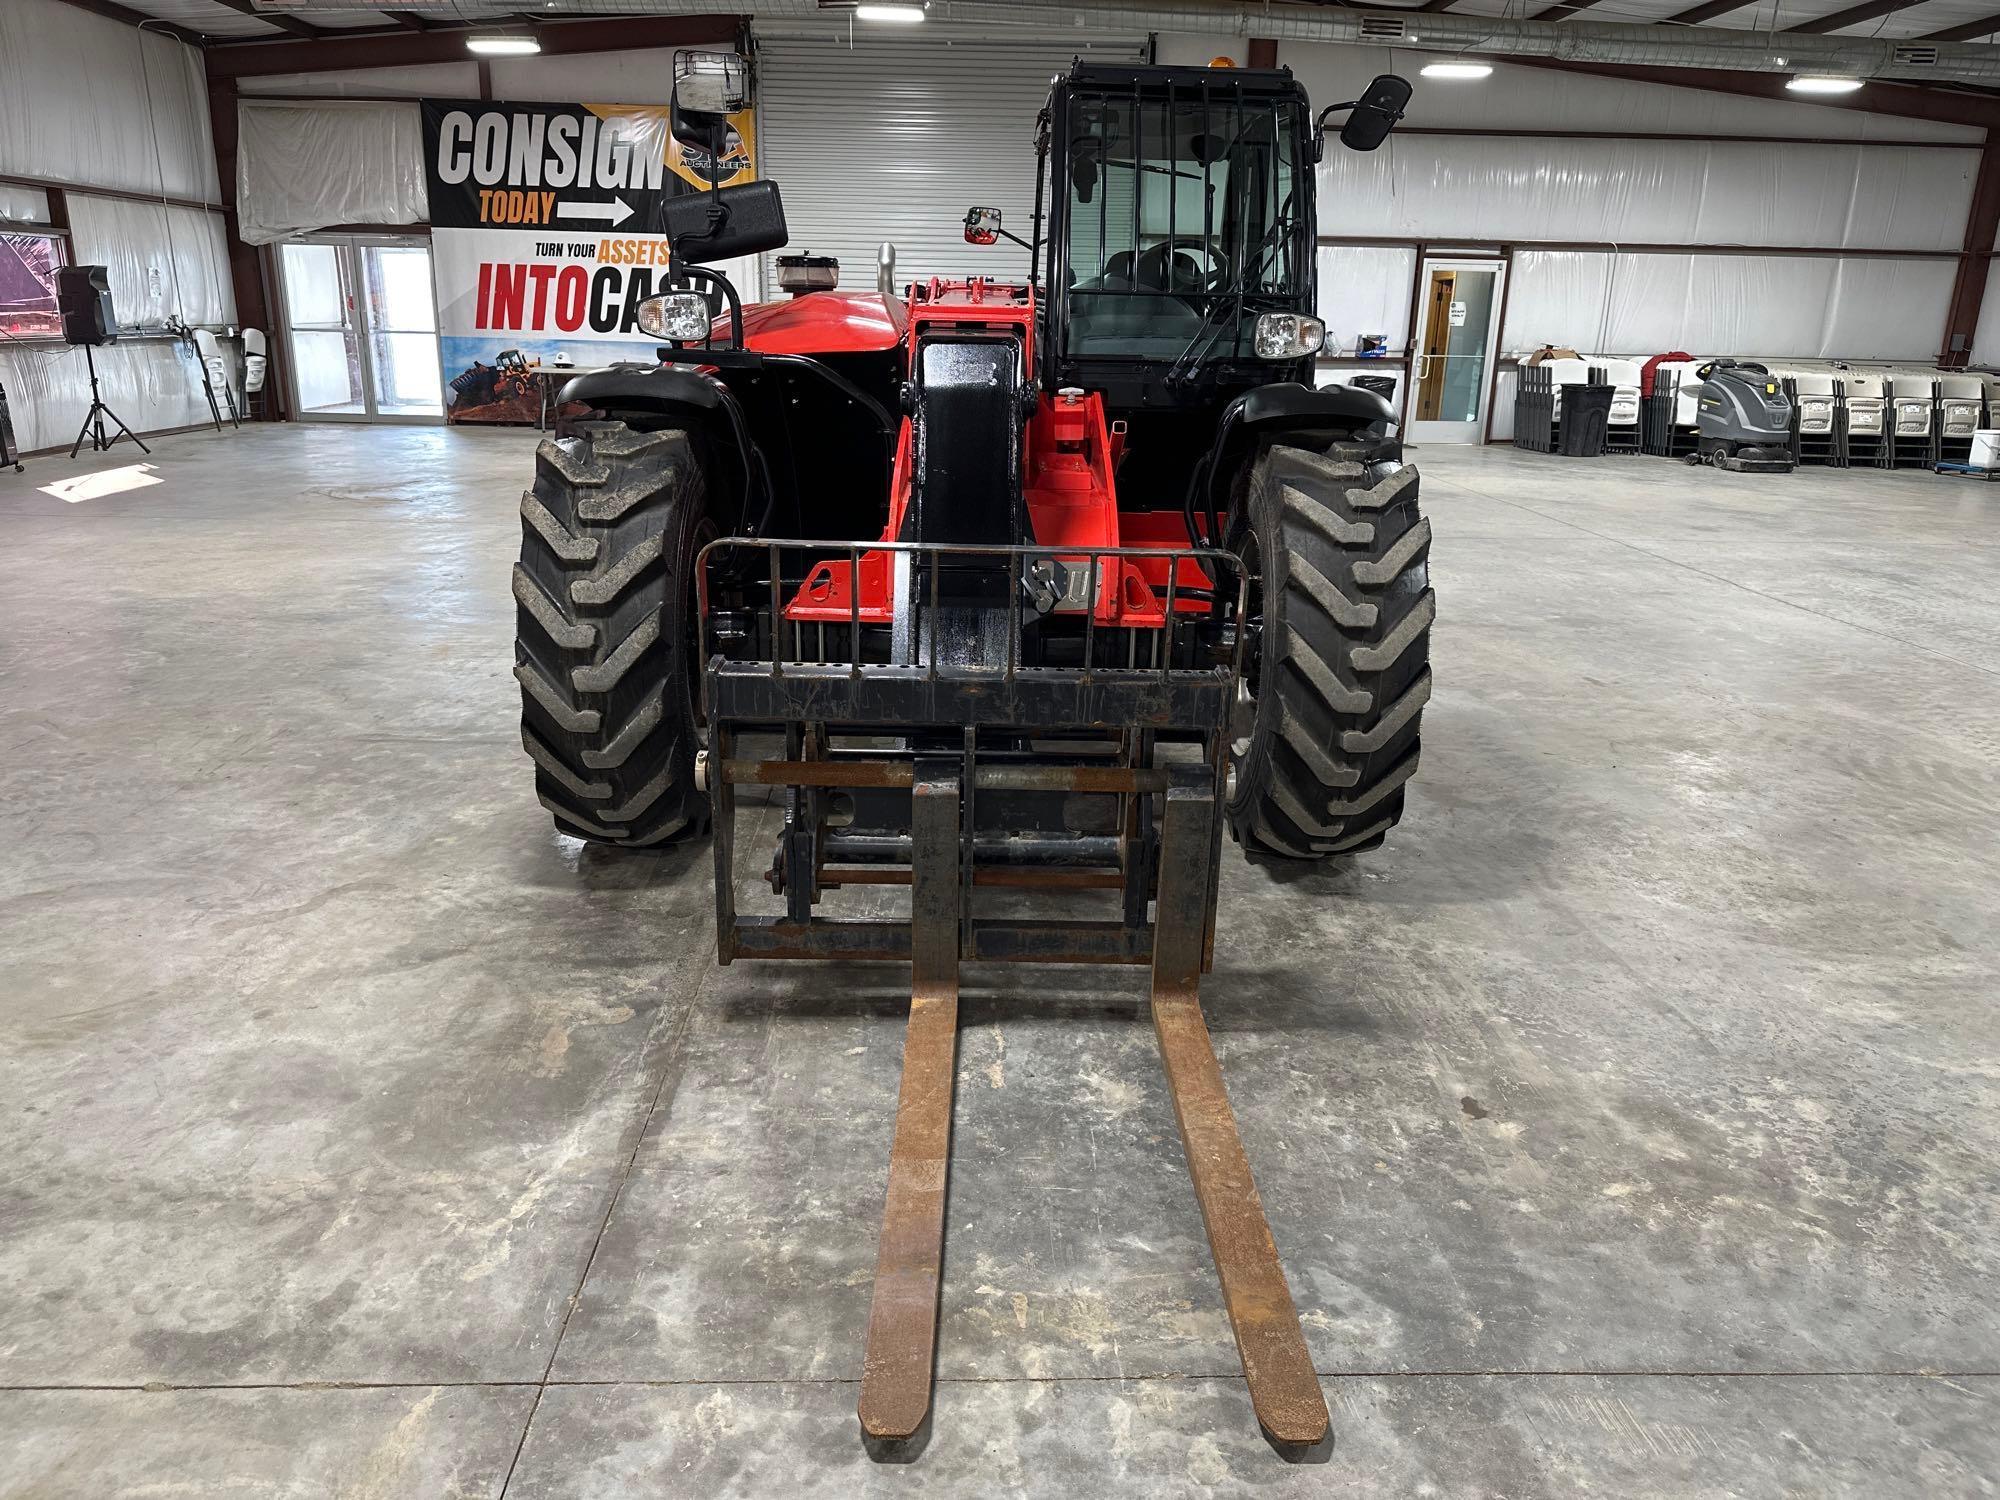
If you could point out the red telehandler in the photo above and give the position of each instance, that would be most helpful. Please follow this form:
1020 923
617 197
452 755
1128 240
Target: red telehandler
1016 589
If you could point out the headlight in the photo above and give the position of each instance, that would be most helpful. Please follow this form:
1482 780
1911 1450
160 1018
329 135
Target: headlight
681 316
1288 335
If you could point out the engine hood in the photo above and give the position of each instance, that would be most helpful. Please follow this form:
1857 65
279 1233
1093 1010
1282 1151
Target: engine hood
823 323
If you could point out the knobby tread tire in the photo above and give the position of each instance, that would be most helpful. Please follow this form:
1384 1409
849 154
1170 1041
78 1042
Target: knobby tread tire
608 536
1344 661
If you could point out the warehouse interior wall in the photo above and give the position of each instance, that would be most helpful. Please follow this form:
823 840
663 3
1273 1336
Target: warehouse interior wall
100 122
1700 208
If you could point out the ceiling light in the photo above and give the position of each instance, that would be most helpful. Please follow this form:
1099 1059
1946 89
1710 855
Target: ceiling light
1458 70
502 44
1809 83
900 15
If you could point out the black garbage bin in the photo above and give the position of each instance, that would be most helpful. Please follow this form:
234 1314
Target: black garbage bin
1586 412
1382 385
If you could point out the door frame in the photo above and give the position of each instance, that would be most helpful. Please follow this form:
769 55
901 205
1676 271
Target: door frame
349 246
1428 260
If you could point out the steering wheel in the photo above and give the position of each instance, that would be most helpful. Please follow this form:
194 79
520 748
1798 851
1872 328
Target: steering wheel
1161 268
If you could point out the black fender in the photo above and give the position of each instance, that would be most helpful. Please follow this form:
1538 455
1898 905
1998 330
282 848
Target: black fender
1291 407
706 407
1283 406
666 389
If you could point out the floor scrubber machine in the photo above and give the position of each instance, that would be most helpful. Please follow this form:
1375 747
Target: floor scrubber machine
1745 419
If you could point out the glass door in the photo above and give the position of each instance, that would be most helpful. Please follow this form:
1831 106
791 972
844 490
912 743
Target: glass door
361 328
402 329
325 361
1452 368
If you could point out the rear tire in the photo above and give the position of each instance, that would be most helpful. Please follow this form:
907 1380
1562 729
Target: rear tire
1343 668
603 632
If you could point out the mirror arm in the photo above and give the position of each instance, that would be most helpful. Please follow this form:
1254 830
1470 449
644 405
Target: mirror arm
700 275
1319 126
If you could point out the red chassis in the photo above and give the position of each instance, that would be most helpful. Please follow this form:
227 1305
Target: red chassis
1070 462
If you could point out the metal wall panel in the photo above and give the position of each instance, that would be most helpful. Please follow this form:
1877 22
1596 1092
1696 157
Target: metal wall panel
894 137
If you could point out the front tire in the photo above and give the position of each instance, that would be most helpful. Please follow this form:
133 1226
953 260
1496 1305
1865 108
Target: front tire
604 632
1343 662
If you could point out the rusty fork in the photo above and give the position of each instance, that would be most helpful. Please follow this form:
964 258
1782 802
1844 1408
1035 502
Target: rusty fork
902 1324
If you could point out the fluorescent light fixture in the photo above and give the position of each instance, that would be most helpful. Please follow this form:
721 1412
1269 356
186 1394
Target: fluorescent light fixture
502 44
899 15
1811 83
1458 70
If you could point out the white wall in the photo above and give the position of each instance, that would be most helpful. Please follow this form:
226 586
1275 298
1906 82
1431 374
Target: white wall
87 102
1487 190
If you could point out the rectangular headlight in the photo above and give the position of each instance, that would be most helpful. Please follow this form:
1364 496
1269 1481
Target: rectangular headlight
1288 335
680 316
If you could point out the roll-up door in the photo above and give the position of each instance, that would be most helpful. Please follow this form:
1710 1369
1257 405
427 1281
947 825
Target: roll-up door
896 137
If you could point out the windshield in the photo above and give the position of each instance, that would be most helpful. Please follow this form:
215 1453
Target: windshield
1183 221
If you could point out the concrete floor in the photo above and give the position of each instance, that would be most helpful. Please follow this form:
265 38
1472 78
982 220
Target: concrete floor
1627 1126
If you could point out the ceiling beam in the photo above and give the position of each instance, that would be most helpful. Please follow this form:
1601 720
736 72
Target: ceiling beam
1562 11
336 51
1904 101
284 23
408 20
114 12
1437 5
1854 15
1708 10
1970 31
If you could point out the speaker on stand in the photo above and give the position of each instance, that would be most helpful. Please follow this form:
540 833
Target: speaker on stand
83 293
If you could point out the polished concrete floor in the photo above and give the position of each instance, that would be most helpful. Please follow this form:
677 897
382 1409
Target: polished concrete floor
1628 1125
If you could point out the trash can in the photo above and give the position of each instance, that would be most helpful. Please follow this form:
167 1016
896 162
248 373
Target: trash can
1586 413
1382 385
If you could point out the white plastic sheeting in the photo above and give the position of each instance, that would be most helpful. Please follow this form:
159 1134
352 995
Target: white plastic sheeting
301 167
23 205
161 260
1365 289
151 383
1626 192
1769 305
73 103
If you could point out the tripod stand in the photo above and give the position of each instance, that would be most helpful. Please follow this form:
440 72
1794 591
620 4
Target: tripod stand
93 420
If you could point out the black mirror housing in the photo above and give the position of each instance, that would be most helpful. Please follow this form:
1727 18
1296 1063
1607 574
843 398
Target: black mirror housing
745 220
982 226
1375 113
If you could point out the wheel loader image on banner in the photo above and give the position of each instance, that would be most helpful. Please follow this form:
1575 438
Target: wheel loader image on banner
1035 584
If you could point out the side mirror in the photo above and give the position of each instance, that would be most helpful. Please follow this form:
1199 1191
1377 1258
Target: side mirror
1375 113
727 222
982 226
1083 152
708 88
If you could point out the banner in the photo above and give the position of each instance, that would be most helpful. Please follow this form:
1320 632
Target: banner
547 231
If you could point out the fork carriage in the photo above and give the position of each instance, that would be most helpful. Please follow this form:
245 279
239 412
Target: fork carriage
924 750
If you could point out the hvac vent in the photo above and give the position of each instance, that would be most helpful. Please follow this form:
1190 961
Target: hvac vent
1382 29
1915 57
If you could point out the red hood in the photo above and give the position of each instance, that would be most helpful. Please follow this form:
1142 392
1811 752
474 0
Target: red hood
823 323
